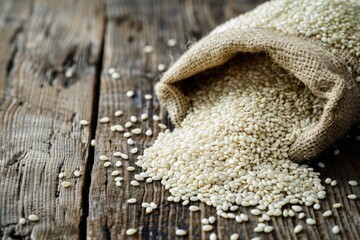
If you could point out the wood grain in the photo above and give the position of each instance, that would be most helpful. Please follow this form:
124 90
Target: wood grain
40 112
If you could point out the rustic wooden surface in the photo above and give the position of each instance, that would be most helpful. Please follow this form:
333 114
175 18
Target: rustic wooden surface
40 110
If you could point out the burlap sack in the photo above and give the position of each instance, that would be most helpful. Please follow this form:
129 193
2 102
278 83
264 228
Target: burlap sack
328 69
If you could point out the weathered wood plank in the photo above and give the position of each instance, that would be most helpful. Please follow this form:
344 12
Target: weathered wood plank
40 134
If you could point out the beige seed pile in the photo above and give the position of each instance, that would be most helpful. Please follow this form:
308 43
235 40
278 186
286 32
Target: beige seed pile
232 147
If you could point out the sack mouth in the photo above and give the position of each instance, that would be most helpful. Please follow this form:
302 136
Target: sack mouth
322 72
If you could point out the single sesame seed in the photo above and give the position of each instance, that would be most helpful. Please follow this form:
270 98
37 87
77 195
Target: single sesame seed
156 118
69 72
103 158
353 183
194 208
328 180
136 131
77 173
207 228
119 128
61 175
130 169
111 70
316 206
115 75
118 179
128 124
148 49
149 209
336 152
333 183
171 42
153 205
234 236
327 213
131 231
22 221
337 205
352 196
134 183
268 229
298 228
301 215
335 229
255 238
84 122
131 200
144 116
33 218
148 96
134 150
118 183
127 134
130 94
118 113
310 221
296 208
145 204
255 211
162 126
104 120
186 202
213 236
205 221
321 164
212 219
124 156
117 154
133 119
65 184
93 142
148 132
180 232
258 229
357 137
115 173
118 164
161 67
113 129
130 141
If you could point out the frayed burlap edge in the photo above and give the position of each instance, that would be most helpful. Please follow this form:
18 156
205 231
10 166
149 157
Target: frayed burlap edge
327 76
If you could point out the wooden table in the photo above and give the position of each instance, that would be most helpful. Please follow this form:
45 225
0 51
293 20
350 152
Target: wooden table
54 57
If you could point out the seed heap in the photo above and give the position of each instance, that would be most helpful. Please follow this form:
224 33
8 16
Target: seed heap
334 22
232 147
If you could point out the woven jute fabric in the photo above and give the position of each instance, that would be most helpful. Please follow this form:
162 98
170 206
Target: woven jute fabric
329 75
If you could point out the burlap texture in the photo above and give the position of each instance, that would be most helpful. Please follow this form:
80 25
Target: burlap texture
328 75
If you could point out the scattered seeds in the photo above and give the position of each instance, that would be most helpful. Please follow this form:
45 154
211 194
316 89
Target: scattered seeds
148 49
65 184
194 208
298 228
136 131
118 113
131 231
161 67
33 218
130 93
69 72
335 229
115 173
205 221
353 183
180 232
327 213
148 96
22 221
352 196
77 173
172 42
84 122
104 120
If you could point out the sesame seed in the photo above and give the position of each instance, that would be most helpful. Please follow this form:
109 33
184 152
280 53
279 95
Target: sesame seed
134 183
194 208
321 164
327 213
148 49
149 209
130 169
316 206
124 156
213 236
153 205
84 122
131 200
134 150
335 229
130 141
115 173
212 219
112 128
353 183
33 218
180 232
144 116
93 142
103 158
22 221
255 211
104 120
133 119
111 70
296 208
69 72
171 42
118 179
118 183
301 215
205 221
298 228
328 180
336 152
130 94
136 131
161 67
352 196
131 231
258 229
127 134
61 175
77 173
118 164
255 238
128 124
145 204
310 221
156 118
148 96
268 229
148 132
65 184
234 236
115 75
162 126
333 183
119 128
118 113
207 228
